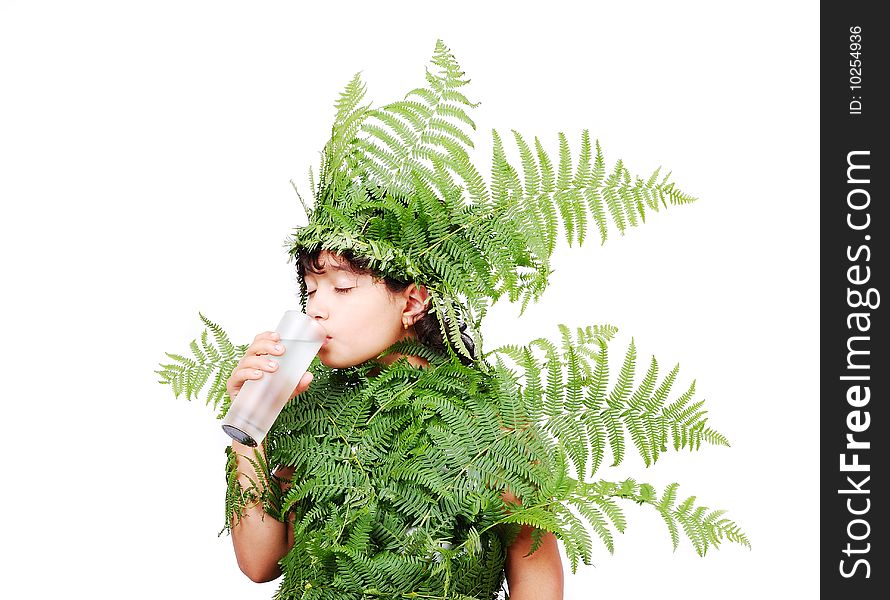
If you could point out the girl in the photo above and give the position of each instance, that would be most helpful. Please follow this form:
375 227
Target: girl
407 459
363 314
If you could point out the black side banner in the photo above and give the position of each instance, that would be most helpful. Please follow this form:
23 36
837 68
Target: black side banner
854 368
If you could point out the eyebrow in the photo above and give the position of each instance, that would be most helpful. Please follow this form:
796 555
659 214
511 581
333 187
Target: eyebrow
334 267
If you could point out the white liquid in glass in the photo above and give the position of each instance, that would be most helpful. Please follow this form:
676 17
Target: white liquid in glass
257 405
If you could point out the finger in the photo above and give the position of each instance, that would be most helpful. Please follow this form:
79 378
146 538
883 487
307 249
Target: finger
303 384
259 361
241 375
264 363
267 335
237 379
265 345
306 380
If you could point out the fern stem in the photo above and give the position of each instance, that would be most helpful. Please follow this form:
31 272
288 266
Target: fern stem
382 406
346 441
496 210
517 512
462 226
345 520
379 594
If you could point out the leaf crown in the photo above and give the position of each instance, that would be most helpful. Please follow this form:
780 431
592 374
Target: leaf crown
397 188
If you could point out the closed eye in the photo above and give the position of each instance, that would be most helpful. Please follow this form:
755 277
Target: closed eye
338 290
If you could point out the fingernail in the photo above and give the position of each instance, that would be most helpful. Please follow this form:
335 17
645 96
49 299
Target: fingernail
278 347
272 364
257 372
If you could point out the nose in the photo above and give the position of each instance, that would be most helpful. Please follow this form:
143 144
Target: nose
315 309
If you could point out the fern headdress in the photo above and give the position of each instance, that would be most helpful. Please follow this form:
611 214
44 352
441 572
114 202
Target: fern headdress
396 187
398 477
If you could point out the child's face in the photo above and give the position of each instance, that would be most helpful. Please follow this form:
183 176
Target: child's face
361 316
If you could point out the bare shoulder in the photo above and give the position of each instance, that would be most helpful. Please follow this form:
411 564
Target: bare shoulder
510 498
284 475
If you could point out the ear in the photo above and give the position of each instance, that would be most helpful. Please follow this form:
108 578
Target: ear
416 300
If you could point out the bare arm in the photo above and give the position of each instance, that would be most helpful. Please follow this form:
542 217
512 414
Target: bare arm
260 540
535 577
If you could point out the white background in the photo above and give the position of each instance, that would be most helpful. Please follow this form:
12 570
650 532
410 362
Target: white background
145 157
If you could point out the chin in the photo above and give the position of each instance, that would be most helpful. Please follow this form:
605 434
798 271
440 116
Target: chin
333 363
326 361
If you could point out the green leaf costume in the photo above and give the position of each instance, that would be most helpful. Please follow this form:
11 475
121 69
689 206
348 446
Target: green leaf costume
398 476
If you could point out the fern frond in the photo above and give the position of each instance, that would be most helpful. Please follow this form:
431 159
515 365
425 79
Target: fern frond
190 375
702 528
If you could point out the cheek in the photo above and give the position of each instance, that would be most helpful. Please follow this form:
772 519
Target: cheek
383 327
381 319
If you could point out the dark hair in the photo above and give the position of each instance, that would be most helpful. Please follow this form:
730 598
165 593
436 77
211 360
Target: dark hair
429 331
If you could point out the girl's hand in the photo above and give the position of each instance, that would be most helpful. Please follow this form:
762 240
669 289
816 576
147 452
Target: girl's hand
258 360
